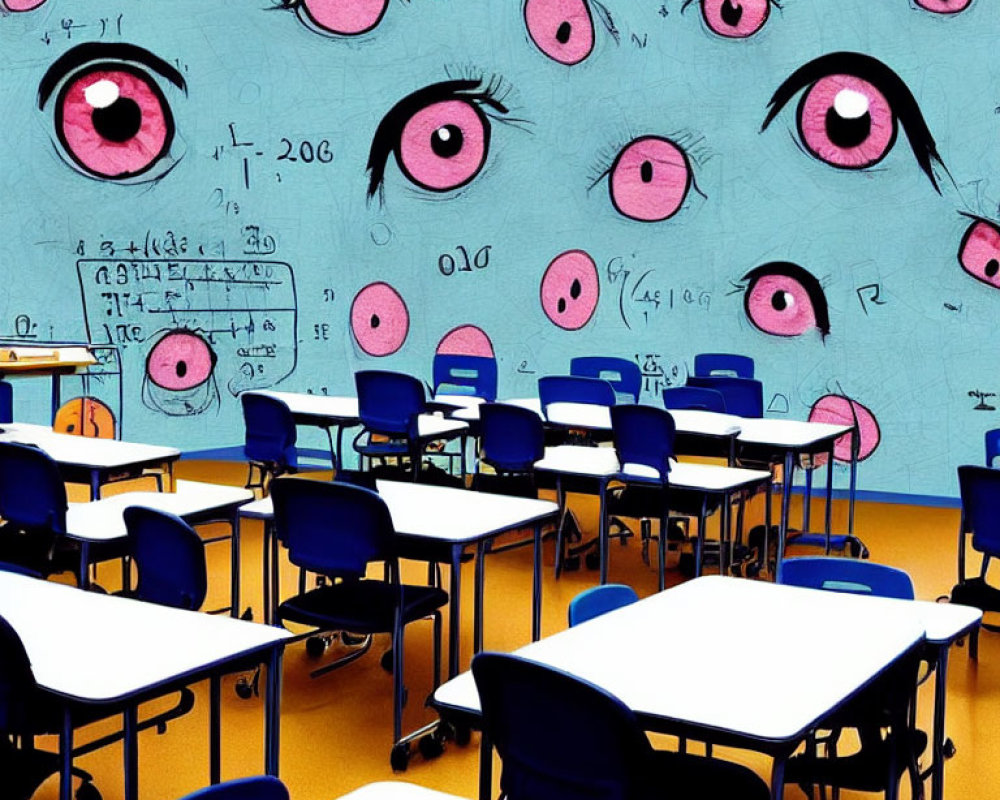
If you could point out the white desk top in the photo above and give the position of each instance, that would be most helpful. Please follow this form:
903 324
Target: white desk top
800 653
602 462
102 521
98 648
337 409
397 790
84 451
457 401
430 426
787 432
441 512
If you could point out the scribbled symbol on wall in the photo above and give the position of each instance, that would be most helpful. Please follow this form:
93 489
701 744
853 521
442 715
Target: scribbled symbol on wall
380 320
837 409
85 416
233 319
849 113
783 299
733 19
649 179
340 17
979 252
112 120
466 340
570 289
943 6
440 135
20 5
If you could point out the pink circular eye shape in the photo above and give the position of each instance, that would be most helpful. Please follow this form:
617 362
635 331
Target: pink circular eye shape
379 319
114 122
466 340
21 5
735 19
979 253
783 299
846 122
838 410
444 145
649 179
562 29
345 17
180 360
944 6
570 290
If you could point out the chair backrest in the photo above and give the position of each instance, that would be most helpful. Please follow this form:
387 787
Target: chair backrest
32 492
599 600
574 389
170 557
979 488
263 787
389 402
512 438
744 396
17 682
461 374
643 435
849 575
331 528
270 431
992 440
559 736
623 375
694 397
706 364
6 402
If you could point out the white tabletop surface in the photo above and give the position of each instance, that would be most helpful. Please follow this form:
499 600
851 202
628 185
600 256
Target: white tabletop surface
95 647
102 520
397 790
319 405
458 401
85 451
441 512
787 432
760 660
431 425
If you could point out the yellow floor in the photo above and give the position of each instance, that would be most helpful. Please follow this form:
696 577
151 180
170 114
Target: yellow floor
336 731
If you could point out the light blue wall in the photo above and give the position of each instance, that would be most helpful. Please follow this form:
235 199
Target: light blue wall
257 75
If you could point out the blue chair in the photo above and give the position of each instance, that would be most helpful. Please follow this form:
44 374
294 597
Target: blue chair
270 436
598 600
263 787
695 398
170 557
336 530
575 389
707 364
468 375
992 441
744 396
562 738
847 575
6 402
623 375
512 439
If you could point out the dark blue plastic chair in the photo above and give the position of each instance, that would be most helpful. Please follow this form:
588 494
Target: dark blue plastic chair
562 738
992 441
6 402
744 396
170 557
575 389
270 436
623 375
336 530
695 398
847 575
469 375
263 787
598 600
707 364
512 439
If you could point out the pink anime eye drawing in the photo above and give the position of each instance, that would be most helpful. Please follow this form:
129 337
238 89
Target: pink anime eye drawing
340 17
440 136
734 19
943 6
850 111
570 289
21 5
180 360
380 320
836 409
649 179
979 252
783 299
562 29
466 340
112 119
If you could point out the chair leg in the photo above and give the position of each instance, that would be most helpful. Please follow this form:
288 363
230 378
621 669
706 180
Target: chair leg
397 680
437 649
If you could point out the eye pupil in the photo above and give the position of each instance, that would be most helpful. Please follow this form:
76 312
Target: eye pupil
181 368
446 141
561 305
575 289
849 119
780 301
118 122
375 321
563 33
731 13
992 268
646 172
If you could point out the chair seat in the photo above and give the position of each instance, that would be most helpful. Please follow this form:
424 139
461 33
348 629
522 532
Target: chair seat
680 776
382 449
647 501
360 606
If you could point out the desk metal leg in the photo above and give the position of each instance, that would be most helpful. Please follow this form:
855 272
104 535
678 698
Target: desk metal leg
454 606
83 575
66 757
778 778
536 586
95 486
479 592
267 581
828 521
938 737
485 767
131 748
272 712
786 501
214 729
275 571
602 532
852 491
234 564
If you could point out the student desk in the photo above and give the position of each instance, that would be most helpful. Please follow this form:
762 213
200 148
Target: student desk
397 790
601 464
82 459
436 519
101 522
90 648
799 654
22 359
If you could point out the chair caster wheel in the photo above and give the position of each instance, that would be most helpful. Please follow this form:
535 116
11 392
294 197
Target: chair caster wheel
87 791
399 758
352 639
949 748
316 646
430 746
462 734
386 661
571 563
593 561
247 687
